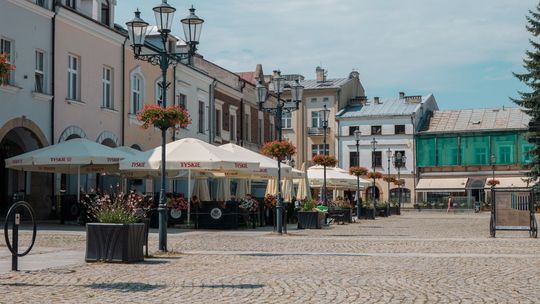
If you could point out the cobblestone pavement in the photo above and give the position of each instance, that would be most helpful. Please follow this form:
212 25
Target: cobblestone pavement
418 257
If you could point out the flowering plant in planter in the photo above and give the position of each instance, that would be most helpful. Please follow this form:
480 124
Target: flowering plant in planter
248 203
270 201
324 160
399 182
493 182
376 175
5 68
177 203
340 204
116 208
164 118
278 149
389 179
358 171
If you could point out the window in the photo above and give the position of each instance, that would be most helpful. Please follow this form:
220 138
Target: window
261 130
403 159
39 74
105 13
201 117
376 159
73 78
42 3
181 100
316 119
6 47
319 149
352 129
272 130
314 99
233 128
353 159
136 93
106 91
247 133
326 99
505 155
286 121
526 157
218 123
399 129
480 155
159 91
376 130
71 3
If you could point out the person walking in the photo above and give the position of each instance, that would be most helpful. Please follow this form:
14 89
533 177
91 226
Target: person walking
449 204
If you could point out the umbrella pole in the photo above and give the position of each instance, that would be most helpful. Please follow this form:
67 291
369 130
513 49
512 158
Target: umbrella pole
78 184
189 196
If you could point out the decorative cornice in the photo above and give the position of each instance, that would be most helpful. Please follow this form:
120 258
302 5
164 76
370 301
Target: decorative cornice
33 8
90 26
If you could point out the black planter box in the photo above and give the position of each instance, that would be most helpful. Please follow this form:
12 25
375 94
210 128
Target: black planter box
345 214
309 220
176 216
115 242
394 210
367 213
212 215
382 212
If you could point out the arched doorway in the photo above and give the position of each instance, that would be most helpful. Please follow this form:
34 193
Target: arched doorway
369 193
36 188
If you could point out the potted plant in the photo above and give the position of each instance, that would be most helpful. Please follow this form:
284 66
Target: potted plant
376 175
341 209
279 149
309 217
358 171
270 202
367 208
164 118
382 209
5 68
324 160
117 235
177 208
389 179
394 208
248 207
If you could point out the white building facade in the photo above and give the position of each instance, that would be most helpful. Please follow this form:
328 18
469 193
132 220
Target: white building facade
392 123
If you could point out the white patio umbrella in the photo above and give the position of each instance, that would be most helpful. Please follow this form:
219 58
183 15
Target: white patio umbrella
201 190
242 186
303 186
287 188
267 165
73 156
271 187
335 178
223 189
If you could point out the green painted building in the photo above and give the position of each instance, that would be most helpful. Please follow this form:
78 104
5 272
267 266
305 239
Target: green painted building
457 151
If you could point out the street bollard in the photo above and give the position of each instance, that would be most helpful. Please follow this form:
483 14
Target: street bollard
15 231
13 246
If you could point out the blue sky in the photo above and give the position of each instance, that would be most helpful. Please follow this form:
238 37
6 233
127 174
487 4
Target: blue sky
462 51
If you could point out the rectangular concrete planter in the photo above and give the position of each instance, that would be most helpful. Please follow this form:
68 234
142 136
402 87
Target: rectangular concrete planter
114 242
346 214
309 220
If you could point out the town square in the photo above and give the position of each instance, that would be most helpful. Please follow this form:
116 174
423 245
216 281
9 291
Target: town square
297 151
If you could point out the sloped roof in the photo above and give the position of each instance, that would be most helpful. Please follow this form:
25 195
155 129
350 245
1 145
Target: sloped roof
477 119
249 77
385 107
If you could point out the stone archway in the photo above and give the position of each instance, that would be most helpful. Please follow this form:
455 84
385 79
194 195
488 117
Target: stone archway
108 139
71 132
17 136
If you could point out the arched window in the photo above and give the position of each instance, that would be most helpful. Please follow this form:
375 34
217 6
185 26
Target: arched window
137 85
105 12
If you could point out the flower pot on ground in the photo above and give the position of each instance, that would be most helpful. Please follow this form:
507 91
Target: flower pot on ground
117 236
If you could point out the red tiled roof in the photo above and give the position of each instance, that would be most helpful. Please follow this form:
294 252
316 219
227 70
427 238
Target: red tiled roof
248 76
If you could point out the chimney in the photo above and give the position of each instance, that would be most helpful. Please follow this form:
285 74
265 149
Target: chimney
376 100
354 74
320 74
401 95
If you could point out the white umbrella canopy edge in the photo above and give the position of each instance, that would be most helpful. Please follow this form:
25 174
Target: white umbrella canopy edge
268 166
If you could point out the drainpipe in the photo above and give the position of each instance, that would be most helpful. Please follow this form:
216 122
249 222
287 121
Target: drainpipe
123 106
53 49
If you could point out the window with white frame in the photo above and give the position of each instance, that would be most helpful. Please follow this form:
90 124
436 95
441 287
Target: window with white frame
73 92
42 3
6 48
286 120
181 100
232 128
316 119
201 117
319 149
106 83
136 93
218 122
261 130
39 73
71 3
105 13
247 127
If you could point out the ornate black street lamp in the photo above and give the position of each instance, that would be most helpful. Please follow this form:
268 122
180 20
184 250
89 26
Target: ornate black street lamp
325 113
389 157
137 29
399 162
373 196
297 93
357 136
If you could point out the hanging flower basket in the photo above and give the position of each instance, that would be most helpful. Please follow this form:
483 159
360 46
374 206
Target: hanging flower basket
5 68
493 182
358 171
164 118
324 160
399 182
278 149
375 175
389 179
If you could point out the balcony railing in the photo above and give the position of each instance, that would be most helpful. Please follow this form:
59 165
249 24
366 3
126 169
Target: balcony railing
318 131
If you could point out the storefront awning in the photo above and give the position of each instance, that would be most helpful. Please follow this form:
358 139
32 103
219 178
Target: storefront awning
510 182
441 184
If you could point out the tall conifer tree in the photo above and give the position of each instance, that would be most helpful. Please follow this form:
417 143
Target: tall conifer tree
530 101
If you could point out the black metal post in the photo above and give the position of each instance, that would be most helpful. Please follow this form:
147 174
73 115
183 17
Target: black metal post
15 232
325 126
399 184
358 205
388 182
374 142
279 207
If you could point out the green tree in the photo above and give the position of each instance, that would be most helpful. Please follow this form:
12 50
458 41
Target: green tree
530 101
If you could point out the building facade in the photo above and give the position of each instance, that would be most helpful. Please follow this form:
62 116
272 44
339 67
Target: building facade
459 150
392 123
